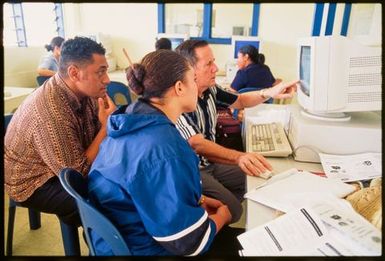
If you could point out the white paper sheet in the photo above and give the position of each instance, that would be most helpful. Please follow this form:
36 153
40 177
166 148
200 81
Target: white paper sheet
352 167
297 189
314 231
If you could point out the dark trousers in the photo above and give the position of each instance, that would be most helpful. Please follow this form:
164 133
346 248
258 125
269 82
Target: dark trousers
225 243
227 183
53 198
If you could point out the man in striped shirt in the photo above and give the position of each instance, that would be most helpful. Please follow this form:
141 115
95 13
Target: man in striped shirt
222 169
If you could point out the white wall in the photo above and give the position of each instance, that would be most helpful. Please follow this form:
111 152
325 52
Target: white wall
20 65
134 27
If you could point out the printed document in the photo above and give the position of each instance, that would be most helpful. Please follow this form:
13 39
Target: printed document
314 231
352 167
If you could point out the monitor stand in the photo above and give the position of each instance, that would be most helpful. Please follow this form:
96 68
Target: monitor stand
337 116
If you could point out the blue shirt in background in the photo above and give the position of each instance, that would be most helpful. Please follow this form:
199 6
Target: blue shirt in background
256 76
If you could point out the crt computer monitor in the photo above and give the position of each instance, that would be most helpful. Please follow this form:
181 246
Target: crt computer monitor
338 75
238 41
176 39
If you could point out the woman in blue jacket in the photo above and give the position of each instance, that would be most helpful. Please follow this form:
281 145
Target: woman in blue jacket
252 73
145 178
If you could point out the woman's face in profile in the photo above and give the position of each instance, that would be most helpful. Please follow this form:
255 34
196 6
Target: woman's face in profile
241 60
191 96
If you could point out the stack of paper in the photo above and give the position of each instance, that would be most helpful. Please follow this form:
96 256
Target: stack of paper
317 230
292 189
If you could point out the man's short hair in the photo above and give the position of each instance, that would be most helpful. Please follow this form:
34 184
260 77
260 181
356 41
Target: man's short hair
187 49
78 51
163 43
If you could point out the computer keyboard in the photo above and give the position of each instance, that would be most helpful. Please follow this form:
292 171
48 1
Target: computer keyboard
269 139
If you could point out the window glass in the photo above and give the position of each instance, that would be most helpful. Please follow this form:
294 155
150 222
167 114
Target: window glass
231 19
40 24
9 33
184 19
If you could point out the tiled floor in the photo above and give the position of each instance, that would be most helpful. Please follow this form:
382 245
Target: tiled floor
46 241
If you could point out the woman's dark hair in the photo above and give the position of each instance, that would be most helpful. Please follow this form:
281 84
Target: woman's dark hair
163 43
251 51
79 51
261 58
56 41
187 49
156 73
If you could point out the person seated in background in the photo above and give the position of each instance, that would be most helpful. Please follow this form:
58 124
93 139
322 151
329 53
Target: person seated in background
149 187
222 169
252 73
59 125
163 43
50 62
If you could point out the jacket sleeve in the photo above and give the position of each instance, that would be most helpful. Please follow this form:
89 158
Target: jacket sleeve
166 195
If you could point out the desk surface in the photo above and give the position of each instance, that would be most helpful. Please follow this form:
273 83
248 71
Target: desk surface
258 214
14 96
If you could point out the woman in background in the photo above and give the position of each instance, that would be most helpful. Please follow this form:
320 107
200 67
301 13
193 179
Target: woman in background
253 73
146 178
50 62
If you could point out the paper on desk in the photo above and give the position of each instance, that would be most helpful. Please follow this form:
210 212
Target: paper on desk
306 232
352 167
272 115
297 189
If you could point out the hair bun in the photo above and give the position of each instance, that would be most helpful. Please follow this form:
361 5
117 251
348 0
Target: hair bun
135 75
48 47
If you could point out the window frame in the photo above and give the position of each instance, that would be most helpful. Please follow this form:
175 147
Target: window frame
207 22
18 18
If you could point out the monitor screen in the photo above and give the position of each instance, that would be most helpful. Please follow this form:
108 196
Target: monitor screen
238 44
304 69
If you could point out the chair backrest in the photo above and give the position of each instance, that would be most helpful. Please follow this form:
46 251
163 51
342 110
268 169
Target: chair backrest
119 93
92 219
41 79
7 120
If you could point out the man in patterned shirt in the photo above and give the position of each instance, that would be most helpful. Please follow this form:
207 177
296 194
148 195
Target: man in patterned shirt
222 169
61 124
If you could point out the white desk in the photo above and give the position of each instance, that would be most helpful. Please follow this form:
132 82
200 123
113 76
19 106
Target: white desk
14 96
258 214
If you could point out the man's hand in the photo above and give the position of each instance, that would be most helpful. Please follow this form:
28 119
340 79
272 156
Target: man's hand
106 107
253 164
282 90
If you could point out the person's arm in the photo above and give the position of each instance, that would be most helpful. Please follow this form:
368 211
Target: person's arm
218 212
106 107
252 164
172 215
59 143
279 91
45 72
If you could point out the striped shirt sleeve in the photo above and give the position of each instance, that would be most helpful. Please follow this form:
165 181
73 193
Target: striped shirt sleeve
186 126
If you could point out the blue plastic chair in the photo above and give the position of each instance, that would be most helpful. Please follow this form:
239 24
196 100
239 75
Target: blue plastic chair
249 89
92 219
119 93
41 79
70 234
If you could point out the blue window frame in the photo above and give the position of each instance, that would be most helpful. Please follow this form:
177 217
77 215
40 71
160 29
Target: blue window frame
207 19
20 29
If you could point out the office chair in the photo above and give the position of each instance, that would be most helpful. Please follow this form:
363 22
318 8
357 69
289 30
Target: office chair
41 79
119 93
92 219
70 234
248 89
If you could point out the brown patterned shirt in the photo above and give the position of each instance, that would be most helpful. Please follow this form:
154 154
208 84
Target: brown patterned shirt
50 130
